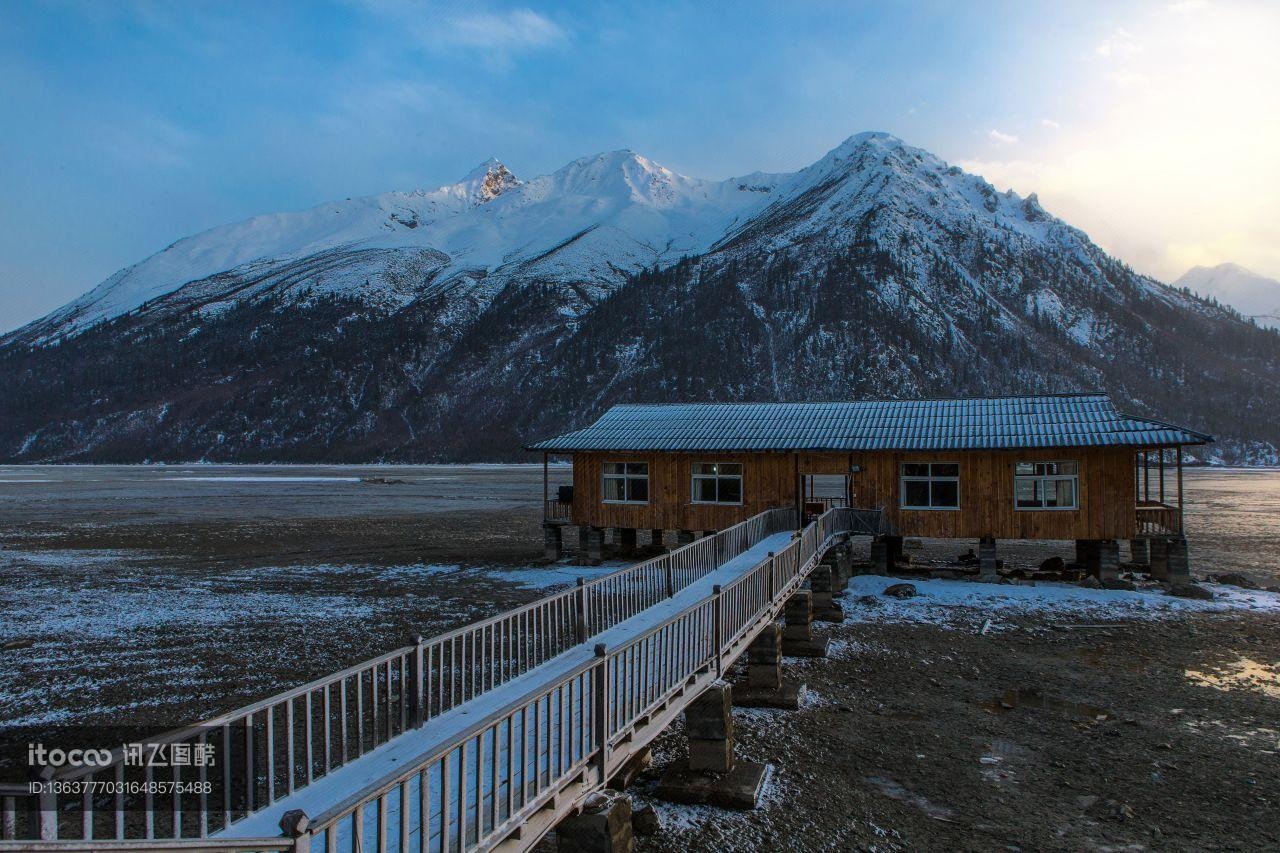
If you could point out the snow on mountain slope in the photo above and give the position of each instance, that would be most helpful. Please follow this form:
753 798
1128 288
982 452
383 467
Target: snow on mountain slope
1251 294
592 221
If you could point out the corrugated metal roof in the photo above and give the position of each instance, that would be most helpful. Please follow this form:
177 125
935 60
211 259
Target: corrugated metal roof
1065 420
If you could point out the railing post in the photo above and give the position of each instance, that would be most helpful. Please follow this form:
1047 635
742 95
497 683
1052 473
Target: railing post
718 628
296 825
45 807
420 681
584 623
773 580
600 701
670 578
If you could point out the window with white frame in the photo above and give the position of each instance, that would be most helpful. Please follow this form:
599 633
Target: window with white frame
930 485
625 482
1046 485
717 483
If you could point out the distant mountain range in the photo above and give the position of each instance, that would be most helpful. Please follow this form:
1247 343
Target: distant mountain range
1255 296
462 322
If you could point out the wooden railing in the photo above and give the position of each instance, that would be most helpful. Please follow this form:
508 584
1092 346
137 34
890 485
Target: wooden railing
555 510
284 743
1158 519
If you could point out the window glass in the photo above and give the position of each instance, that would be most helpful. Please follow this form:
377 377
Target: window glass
915 493
615 490
915 469
730 490
716 482
637 489
945 493
946 469
1045 485
625 482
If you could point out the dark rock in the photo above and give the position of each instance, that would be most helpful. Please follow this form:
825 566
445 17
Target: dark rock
901 590
1235 579
645 821
1190 590
1091 583
868 601
1117 583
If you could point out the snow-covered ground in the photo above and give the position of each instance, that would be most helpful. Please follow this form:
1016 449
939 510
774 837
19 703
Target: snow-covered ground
958 603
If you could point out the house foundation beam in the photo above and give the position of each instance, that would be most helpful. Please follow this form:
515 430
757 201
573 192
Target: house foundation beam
658 538
1140 552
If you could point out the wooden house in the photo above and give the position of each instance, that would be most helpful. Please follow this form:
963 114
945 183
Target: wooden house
1040 467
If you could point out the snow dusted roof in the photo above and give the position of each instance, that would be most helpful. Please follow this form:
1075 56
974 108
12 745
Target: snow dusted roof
1062 420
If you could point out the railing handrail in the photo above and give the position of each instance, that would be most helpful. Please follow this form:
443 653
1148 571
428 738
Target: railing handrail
392 780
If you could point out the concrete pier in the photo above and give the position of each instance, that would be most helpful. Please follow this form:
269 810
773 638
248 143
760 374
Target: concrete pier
712 774
603 826
552 545
797 636
1140 552
765 686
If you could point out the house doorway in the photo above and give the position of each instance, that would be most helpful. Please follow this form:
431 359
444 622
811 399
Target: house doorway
821 492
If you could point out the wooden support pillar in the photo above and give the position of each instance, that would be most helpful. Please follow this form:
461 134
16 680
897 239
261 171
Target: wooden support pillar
657 537
552 544
1140 552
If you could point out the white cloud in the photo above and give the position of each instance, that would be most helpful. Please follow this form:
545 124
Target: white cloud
1121 45
1187 6
1050 123
502 31
1001 138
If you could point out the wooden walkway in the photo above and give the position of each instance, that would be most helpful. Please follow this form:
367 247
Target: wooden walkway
483 738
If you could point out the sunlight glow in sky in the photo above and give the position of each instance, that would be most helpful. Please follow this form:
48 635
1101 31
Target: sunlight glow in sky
1154 126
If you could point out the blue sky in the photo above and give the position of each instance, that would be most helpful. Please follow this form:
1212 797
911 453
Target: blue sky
125 126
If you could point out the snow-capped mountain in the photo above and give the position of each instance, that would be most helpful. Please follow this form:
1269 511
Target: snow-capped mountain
1253 295
460 322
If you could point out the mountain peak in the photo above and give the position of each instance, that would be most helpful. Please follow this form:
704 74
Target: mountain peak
487 181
